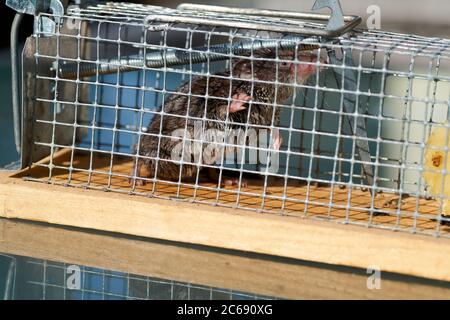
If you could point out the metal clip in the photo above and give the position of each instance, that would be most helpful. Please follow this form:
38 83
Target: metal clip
35 7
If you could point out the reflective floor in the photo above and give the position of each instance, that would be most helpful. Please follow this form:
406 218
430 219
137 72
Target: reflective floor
28 278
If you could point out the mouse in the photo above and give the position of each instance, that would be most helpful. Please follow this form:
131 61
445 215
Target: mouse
246 94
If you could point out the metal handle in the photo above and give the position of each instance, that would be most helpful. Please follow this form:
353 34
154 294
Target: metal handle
350 21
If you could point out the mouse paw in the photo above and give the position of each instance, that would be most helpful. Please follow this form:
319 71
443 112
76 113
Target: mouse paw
234 182
238 103
138 183
393 203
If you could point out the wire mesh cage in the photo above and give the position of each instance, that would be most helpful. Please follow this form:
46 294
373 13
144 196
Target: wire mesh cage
266 111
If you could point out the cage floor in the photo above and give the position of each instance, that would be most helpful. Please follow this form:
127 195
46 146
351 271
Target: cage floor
325 202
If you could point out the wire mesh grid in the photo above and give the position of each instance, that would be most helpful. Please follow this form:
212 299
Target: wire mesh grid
50 280
361 139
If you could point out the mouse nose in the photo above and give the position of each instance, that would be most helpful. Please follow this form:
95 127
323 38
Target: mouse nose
307 66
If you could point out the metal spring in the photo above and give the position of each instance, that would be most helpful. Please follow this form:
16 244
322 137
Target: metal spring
175 57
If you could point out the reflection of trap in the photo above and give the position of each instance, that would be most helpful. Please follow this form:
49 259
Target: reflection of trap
49 280
347 114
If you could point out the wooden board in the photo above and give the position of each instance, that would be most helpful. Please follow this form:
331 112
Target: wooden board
249 273
288 235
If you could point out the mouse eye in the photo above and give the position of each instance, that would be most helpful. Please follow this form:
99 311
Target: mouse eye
284 64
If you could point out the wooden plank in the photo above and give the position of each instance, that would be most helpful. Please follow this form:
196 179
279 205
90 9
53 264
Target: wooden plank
323 202
256 274
284 236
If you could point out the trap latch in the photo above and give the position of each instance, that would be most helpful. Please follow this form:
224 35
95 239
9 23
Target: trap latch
346 79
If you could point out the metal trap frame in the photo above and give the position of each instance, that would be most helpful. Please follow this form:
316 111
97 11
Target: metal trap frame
357 146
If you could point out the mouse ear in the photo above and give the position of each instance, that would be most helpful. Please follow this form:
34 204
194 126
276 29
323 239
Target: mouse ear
242 68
